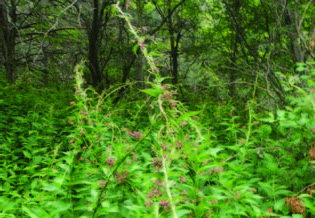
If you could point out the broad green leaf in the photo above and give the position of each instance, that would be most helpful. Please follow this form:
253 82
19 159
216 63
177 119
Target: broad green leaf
266 188
279 204
94 194
152 92
181 213
214 151
297 216
29 212
27 154
187 115
135 49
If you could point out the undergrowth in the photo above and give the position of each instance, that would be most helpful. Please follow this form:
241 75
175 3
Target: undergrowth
82 156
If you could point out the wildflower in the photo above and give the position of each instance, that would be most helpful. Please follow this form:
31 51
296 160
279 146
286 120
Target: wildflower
165 148
179 145
83 113
159 183
184 123
135 134
183 179
156 163
82 132
164 204
157 192
148 204
110 162
121 177
102 183
218 169
150 195
70 122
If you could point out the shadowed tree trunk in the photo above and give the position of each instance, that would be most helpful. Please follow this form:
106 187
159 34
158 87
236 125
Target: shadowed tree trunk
174 43
236 40
173 29
7 37
292 20
99 22
297 51
94 65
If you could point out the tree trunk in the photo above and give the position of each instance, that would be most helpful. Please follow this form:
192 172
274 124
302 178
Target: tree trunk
94 43
174 45
7 38
298 52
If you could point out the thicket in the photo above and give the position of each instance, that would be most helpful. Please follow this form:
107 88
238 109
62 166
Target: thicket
66 155
78 155
73 153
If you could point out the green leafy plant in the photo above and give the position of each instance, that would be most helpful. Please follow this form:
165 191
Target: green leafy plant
80 155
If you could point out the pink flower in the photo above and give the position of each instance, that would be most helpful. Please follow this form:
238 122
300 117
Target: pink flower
135 134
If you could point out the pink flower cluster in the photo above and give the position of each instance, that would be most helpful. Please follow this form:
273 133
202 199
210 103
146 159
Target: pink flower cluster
135 134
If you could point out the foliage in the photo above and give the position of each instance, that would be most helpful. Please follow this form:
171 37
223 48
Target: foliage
69 150
91 159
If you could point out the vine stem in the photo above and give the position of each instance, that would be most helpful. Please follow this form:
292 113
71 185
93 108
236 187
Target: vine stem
167 186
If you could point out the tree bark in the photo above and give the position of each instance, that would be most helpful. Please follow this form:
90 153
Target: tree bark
94 65
174 45
7 37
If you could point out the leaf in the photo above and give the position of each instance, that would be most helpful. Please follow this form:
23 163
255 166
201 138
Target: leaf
135 49
21 119
309 204
304 120
94 194
105 204
281 114
301 67
257 210
256 3
265 130
154 53
160 80
29 212
266 188
214 151
282 192
181 213
187 115
152 92
297 216
114 209
58 206
270 119
279 204
34 183
27 154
